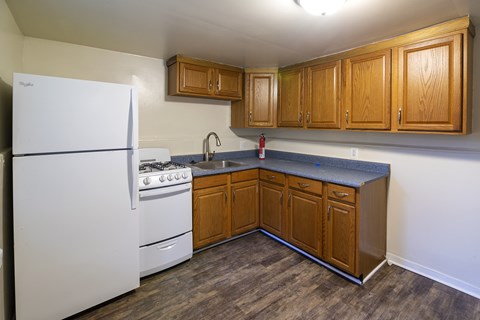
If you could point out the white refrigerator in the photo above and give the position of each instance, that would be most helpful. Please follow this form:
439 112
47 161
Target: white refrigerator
75 194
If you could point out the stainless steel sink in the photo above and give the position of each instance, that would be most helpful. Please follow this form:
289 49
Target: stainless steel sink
217 164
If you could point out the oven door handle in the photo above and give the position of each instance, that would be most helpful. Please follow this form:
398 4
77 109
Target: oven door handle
165 190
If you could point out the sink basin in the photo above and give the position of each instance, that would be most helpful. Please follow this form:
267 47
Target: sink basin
217 164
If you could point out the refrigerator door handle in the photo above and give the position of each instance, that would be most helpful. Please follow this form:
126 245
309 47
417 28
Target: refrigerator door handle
133 120
133 179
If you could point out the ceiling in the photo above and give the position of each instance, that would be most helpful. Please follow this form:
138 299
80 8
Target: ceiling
246 33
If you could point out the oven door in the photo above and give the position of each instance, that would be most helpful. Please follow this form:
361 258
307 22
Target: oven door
165 213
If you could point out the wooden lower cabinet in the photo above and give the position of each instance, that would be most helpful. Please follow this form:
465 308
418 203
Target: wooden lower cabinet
210 216
305 221
244 206
342 225
272 213
340 236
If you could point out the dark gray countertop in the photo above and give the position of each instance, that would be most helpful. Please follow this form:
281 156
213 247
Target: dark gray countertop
341 171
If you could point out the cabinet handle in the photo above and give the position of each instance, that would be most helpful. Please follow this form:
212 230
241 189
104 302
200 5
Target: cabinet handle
328 213
300 117
209 85
303 185
340 194
281 198
250 117
308 117
218 85
234 194
289 199
226 196
399 116
346 116
271 177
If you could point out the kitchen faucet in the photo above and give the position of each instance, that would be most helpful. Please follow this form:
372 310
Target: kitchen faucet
209 155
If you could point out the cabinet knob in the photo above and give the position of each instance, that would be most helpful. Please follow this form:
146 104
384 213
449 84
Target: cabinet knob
346 116
210 85
218 86
300 117
399 116
250 117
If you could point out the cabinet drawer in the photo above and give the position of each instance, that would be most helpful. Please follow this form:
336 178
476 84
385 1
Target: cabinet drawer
210 181
305 184
342 193
244 175
272 176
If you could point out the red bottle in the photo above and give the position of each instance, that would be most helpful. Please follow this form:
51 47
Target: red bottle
261 147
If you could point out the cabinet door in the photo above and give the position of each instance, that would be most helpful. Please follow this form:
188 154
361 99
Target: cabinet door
305 221
262 99
430 85
340 236
322 102
367 91
195 79
228 84
209 216
272 209
290 109
244 206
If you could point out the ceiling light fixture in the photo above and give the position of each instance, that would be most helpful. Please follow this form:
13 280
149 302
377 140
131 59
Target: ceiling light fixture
320 7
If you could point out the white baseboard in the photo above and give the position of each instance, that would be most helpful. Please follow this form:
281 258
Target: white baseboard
434 275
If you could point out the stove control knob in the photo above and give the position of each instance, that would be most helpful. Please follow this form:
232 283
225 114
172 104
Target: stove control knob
185 175
162 178
147 181
170 177
177 176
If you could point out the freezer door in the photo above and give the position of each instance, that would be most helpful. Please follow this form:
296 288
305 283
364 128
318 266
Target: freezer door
75 232
59 115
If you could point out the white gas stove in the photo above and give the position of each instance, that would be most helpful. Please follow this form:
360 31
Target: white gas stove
165 211
157 170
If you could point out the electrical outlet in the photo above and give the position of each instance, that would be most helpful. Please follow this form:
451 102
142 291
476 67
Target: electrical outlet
243 145
354 153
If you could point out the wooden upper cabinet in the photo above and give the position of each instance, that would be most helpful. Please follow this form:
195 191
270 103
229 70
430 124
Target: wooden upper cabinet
228 83
290 108
198 78
367 91
258 109
322 95
262 102
195 79
430 85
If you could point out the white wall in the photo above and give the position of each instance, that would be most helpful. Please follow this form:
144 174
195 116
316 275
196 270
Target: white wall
177 123
11 46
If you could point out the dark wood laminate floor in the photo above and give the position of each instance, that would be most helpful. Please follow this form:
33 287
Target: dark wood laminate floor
255 277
